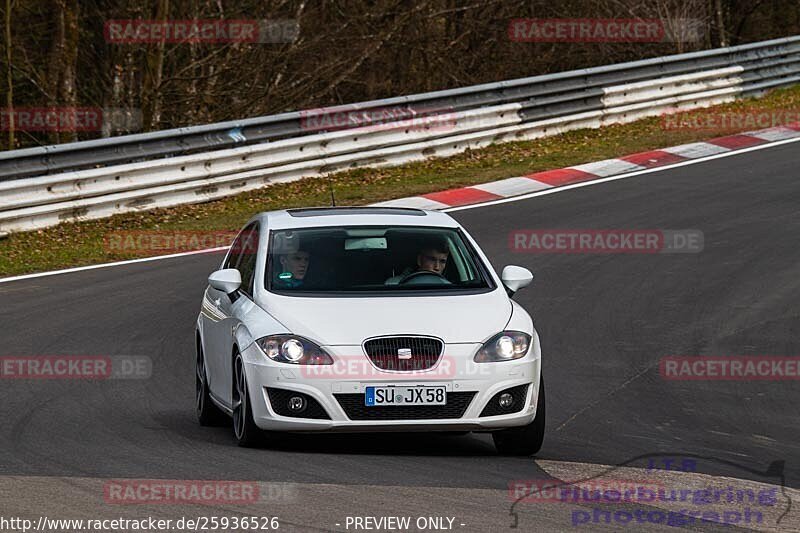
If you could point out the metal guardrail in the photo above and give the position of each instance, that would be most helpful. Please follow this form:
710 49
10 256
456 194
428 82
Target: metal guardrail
43 186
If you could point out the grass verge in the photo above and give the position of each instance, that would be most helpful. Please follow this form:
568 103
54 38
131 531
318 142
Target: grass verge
83 243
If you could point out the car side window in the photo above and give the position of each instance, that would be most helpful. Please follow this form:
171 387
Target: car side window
249 254
235 253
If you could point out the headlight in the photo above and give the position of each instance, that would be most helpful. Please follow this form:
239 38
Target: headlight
293 349
505 346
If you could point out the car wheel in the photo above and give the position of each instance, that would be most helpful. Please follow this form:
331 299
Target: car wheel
525 440
208 414
244 429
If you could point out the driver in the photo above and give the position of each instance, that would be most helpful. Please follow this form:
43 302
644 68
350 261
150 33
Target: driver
431 257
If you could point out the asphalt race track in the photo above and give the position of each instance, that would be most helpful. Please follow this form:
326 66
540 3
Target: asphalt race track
605 323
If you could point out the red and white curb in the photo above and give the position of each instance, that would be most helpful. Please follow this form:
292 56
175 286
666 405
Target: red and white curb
549 179
548 182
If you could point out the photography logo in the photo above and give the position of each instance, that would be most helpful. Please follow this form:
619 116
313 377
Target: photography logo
675 494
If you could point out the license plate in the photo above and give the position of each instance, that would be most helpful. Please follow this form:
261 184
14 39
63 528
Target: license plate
404 395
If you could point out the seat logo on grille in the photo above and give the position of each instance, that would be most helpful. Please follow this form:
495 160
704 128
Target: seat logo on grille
404 353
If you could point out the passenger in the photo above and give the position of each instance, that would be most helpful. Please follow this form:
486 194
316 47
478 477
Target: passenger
293 269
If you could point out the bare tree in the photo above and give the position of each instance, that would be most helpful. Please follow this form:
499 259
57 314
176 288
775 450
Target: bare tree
153 73
719 19
346 51
9 76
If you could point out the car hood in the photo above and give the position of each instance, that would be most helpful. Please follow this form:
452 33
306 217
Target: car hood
468 318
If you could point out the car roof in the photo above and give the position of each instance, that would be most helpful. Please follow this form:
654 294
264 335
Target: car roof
354 216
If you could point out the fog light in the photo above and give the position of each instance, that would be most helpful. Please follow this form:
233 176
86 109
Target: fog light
297 403
506 400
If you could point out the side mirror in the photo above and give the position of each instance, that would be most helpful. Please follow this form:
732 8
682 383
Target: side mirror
227 280
515 278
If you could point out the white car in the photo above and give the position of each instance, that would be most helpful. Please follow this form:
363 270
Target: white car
367 319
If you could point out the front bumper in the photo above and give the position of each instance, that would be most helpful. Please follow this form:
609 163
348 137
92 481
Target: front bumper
352 372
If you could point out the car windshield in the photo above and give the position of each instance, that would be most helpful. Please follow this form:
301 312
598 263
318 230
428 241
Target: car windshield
384 259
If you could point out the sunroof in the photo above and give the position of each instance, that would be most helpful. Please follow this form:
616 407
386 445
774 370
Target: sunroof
328 211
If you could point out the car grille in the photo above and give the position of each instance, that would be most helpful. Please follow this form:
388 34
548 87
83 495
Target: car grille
383 352
354 408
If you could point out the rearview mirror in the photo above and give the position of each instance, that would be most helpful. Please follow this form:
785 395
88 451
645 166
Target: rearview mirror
366 243
227 280
515 278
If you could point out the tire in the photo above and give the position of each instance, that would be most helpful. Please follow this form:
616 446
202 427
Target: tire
247 434
524 440
208 414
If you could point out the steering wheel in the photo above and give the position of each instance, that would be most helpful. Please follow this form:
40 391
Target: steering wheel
419 274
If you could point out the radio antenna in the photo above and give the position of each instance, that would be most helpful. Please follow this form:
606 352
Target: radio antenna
330 185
